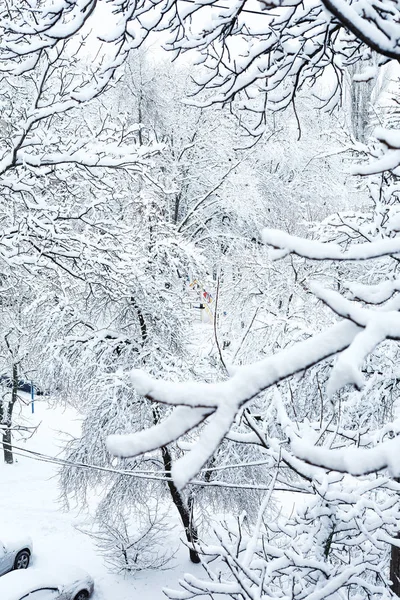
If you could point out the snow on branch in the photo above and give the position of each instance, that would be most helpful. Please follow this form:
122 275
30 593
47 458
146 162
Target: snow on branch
220 402
390 160
356 461
173 427
379 32
389 137
373 294
277 56
315 250
217 404
122 158
378 325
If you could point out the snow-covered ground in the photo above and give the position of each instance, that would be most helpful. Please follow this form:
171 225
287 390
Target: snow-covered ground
29 503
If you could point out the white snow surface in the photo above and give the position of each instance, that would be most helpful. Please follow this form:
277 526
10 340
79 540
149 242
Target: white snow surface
29 507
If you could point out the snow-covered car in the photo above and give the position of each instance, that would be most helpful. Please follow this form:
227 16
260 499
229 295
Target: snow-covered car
61 583
15 553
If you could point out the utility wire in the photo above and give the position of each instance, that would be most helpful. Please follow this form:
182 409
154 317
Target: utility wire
162 476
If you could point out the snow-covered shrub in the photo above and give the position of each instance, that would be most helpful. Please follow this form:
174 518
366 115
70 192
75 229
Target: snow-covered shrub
129 544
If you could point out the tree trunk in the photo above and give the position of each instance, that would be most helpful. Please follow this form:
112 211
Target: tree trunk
395 564
7 419
395 569
185 510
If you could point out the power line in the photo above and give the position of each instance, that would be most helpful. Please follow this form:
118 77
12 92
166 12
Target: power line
40 457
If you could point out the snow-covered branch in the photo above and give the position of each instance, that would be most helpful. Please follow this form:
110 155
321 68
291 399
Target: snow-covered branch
223 400
374 293
355 461
315 250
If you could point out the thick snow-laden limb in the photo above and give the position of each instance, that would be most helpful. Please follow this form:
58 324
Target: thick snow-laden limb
355 461
389 137
342 306
347 369
187 467
378 325
224 399
315 250
249 380
373 294
390 160
359 315
173 427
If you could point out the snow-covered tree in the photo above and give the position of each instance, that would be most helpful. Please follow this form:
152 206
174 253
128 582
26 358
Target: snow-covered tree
254 56
253 52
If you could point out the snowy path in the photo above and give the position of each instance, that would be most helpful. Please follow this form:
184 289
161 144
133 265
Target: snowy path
28 503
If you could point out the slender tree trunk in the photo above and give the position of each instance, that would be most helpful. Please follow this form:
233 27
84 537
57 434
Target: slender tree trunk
184 510
395 569
176 209
7 419
395 564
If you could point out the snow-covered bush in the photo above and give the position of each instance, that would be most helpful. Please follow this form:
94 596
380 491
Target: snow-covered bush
135 540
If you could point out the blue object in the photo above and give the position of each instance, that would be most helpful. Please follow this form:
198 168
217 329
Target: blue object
23 386
32 397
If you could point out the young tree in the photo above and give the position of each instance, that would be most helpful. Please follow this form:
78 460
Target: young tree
169 234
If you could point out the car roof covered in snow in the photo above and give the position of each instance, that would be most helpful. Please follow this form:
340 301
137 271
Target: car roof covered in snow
16 584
